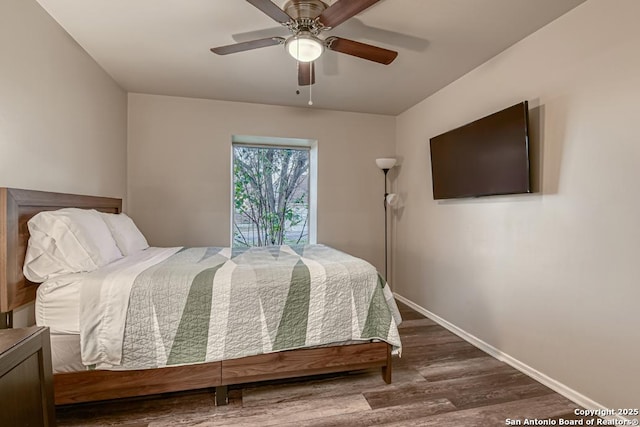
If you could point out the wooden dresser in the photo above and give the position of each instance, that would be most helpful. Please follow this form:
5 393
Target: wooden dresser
26 380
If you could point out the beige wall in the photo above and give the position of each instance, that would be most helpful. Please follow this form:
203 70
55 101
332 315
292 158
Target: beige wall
552 279
62 118
179 157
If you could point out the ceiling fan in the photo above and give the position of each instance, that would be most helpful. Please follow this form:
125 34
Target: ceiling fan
306 20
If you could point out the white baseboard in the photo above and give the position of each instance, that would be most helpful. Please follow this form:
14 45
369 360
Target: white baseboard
553 384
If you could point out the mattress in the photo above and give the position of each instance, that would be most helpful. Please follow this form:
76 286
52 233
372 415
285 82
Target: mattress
65 353
58 304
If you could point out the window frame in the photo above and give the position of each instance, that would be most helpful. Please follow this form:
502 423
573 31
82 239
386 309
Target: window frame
281 143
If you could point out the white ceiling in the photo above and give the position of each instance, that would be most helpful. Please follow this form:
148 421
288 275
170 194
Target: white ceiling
162 47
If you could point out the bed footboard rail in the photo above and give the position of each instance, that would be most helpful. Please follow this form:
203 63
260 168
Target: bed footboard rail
95 385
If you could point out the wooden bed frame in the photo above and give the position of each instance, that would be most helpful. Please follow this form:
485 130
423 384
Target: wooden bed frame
18 206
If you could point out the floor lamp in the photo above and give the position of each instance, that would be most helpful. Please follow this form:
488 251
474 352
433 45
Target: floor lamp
389 199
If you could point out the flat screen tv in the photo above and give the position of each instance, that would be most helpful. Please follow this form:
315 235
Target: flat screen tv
489 156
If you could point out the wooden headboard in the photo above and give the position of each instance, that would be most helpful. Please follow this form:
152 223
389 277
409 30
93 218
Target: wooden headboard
16 208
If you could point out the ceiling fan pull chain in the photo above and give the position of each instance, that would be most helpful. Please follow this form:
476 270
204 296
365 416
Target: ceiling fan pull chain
310 85
298 56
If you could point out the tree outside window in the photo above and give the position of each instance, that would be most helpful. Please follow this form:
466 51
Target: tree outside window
270 195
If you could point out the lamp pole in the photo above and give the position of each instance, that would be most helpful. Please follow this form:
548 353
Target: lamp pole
384 202
385 164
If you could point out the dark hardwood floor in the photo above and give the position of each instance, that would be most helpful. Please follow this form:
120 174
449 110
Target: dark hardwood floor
440 380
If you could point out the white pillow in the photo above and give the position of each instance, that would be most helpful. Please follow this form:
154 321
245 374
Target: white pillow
127 236
67 241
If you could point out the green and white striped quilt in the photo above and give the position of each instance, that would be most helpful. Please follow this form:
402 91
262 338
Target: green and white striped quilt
209 304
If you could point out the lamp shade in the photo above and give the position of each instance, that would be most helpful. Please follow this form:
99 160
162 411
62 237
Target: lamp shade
386 163
304 47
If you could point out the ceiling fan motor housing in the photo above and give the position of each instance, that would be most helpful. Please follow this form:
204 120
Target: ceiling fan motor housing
304 9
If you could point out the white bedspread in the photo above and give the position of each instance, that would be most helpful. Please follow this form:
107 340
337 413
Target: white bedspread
171 306
104 299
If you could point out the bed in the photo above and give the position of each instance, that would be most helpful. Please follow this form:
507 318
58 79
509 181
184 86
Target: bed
17 207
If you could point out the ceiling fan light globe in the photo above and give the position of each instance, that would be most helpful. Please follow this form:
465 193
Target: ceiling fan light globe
304 48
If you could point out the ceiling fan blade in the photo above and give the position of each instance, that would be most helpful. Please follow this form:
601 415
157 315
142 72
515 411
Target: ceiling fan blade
306 73
361 50
253 44
271 10
342 10
279 31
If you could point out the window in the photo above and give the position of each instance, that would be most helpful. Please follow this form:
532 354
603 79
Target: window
271 195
